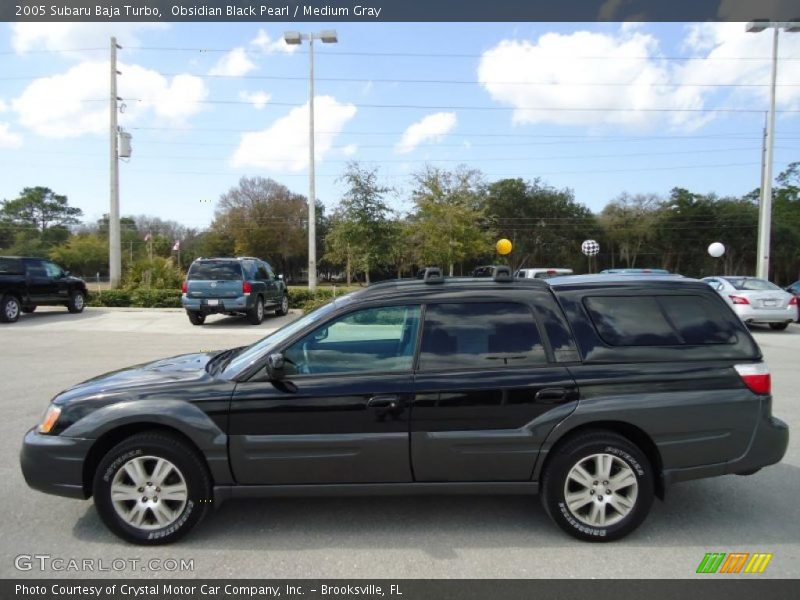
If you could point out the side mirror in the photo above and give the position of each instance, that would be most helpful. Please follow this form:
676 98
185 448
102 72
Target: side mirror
65 273
280 276
275 364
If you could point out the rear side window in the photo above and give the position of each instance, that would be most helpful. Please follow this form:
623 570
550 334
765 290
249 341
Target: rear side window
11 266
658 321
215 270
479 335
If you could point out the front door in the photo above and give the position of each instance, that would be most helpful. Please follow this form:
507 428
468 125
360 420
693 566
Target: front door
41 286
485 393
341 413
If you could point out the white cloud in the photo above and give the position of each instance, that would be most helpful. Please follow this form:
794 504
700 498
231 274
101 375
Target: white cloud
266 44
64 36
9 139
257 99
350 150
3 106
233 64
554 72
282 146
429 129
75 102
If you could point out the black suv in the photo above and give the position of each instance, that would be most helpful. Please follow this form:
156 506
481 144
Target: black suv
27 282
598 392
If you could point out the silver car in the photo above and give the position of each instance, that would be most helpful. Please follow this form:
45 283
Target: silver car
756 300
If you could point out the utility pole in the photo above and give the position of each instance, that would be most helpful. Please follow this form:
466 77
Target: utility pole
114 238
312 192
765 206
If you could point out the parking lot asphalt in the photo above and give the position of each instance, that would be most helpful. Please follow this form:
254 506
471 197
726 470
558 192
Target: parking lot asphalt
413 537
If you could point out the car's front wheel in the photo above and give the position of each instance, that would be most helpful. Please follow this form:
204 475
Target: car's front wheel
152 488
77 302
598 486
283 308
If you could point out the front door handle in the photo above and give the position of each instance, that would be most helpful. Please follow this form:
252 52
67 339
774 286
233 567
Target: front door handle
388 401
548 395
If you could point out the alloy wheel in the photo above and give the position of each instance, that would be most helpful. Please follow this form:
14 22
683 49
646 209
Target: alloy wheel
149 492
601 490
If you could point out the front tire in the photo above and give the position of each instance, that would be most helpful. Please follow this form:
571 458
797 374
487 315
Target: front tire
778 326
256 314
151 489
283 309
77 302
9 309
598 486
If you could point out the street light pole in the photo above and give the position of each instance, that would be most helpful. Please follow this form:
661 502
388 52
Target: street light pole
765 206
327 37
114 237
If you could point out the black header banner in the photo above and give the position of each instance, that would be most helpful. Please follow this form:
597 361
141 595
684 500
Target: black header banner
397 589
397 10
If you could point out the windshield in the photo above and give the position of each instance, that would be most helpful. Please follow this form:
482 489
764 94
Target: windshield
246 357
215 270
751 283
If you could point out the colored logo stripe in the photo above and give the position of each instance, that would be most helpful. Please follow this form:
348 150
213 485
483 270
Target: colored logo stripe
720 562
734 562
758 563
711 562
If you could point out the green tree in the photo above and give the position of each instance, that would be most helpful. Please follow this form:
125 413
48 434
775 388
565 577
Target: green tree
85 254
449 224
628 224
360 232
36 221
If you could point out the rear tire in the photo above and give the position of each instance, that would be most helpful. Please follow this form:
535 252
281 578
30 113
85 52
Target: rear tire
9 309
196 318
598 486
77 302
283 309
256 314
778 326
138 470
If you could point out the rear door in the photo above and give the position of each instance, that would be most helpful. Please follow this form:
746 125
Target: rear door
487 392
214 280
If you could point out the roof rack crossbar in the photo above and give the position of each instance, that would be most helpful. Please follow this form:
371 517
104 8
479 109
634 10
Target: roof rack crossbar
502 273
433 275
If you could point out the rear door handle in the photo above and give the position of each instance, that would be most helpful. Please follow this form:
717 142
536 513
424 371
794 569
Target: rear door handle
551 394
387 401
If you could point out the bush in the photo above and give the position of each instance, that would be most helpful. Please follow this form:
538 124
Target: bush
110 298
314 304
299 297
156 298
157 273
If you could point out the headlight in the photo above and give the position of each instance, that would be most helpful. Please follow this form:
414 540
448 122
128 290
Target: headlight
50 418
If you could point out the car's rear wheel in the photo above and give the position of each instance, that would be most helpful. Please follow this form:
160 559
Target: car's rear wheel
283 308
778 326
151 488
256 314
29 308
9 309
598 486
77 302
196 318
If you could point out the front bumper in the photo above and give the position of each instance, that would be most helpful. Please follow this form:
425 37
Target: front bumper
54 464
223 305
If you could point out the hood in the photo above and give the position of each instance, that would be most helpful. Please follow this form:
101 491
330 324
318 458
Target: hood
153 376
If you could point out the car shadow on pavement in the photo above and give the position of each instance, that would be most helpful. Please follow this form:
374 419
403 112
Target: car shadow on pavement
53 316
270 322
729 511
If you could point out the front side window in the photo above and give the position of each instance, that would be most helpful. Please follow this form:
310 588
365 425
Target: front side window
372 340
52 270
479 335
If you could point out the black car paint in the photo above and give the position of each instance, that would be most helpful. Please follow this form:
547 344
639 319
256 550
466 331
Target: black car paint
33 287
487 430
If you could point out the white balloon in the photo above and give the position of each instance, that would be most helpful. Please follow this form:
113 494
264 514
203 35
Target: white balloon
716 249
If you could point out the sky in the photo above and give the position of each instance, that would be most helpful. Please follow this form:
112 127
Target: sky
601 108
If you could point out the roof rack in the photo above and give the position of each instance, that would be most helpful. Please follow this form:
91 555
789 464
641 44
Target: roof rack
433 275
502 273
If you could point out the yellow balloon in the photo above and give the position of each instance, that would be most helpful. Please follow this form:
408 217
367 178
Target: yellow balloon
504 246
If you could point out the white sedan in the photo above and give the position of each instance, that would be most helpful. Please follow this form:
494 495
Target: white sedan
756 300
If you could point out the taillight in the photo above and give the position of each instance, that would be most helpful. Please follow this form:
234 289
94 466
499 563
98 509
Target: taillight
739 300
246 287
756 377
184 287
793 301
